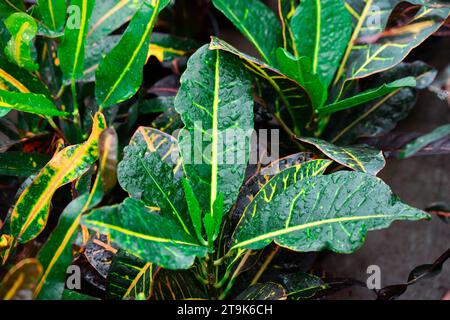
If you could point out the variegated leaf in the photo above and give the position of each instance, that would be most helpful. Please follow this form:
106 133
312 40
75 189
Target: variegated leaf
30 213
372 48
358 158
331 212
23 30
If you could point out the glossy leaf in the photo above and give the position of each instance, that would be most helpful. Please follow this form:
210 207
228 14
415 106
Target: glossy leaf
150 171
215 99
109 16
256 22
381 116
52 13
56 254
154 238
328 26
129 277
367 55
194 208
367 96
21 164
16 79
28 102
30 213
358 158
20 281
263 291
300 69
301 286
120 72
292 95
23 29
156 105
331 212
414 146
71 51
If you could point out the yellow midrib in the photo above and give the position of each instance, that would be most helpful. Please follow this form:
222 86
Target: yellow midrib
139 235
281 232
80 37
318 26
52 16
352 41
14 82
214 148
18 41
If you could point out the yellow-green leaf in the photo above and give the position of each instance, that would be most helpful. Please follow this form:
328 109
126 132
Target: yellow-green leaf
30 213
23 29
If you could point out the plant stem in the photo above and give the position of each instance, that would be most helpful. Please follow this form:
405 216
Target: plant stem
225 277
76 112
265 265
55 127
234 276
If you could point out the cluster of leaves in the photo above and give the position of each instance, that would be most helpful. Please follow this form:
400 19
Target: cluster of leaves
167 226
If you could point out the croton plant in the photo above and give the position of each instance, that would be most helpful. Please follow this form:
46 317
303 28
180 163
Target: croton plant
127 155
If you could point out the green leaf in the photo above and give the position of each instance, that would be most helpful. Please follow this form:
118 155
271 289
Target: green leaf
23 30
421 142
20 281
194 208
291 93
13 78
11 6
331 212
367 96
150 171
156 105
358 158
128 277
300 69
30 213
52 13
256 22
21 164
215 100
71 51
29 102
370 51
154 238
301 286
381 116
263 291
109 16
328 26
120 73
